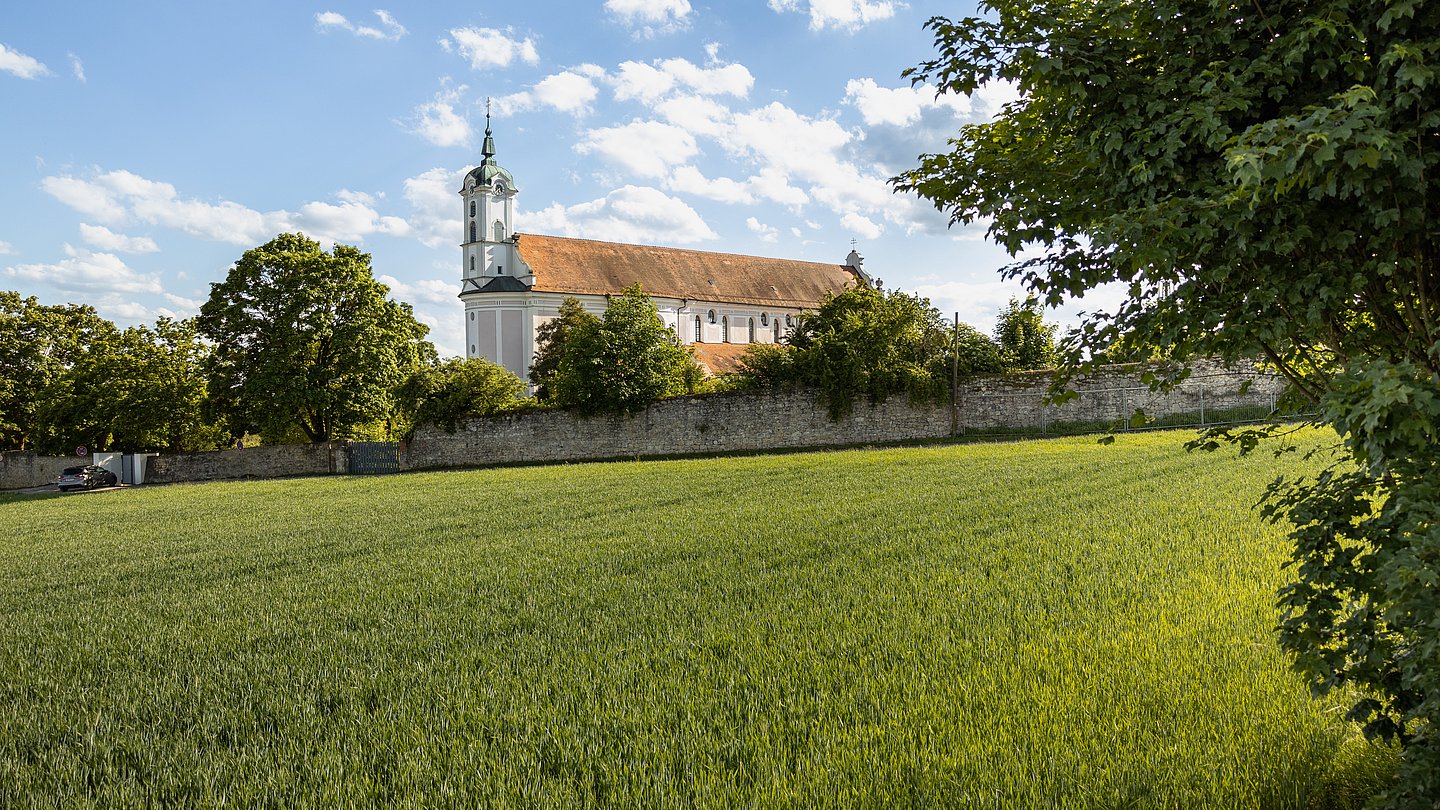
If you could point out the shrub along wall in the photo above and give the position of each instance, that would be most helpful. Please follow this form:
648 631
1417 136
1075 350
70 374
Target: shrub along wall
723 423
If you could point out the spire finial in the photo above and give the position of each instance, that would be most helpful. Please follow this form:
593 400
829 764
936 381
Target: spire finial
488 149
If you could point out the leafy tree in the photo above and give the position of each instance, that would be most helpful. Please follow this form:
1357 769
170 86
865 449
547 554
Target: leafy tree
38 343
452 391
622 361
551 341
977 353
865 342
309 338
1261 177
1026 342
767 365
141 389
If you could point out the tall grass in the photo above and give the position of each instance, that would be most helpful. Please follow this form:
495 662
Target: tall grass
1045 624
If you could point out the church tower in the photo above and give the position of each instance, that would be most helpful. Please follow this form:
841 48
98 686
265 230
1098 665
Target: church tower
489 210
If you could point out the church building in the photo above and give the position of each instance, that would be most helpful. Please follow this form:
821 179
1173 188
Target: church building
717 303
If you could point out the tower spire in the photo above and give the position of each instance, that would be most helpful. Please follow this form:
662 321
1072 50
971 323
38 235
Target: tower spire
488 149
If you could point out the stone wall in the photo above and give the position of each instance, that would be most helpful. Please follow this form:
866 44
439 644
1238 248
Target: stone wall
688 425
23 469
726 423
1017 401
771 420
278 461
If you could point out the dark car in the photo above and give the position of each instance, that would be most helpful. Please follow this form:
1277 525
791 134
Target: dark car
87 477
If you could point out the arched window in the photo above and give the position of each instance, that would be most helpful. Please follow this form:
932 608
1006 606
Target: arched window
712 316
472 232
499 231
472 208
752 330
777 330
764 319
788 322
697 328
725 329
472 267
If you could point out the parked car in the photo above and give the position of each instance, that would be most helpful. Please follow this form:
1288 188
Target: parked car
87 477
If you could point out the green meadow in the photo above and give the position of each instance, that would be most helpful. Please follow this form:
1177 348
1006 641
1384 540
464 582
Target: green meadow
1039 624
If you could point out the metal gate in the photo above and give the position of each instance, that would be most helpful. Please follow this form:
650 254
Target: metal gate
374 458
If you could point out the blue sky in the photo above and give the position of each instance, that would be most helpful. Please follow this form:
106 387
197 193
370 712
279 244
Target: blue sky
147 145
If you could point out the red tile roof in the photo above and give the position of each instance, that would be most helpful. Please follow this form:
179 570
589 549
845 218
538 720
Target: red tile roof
719 358
584 266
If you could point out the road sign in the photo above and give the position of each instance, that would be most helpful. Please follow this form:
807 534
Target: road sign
82 450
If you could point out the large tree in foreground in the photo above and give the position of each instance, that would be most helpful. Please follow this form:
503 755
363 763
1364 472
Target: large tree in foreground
307 338
1263 177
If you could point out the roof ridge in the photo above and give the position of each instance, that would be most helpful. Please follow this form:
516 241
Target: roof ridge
522 235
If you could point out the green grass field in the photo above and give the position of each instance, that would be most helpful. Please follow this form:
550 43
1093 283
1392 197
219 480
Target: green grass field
1040 624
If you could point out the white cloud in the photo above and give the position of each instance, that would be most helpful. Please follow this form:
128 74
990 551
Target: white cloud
348 222
393 30
845 14
189 305
899 106
490 48
6 249
629 214
438 122
976 301
87 272
569 91
106 239
435 206
651 17
690 180
765 232
642 82
773 185
362 197
861 226
646 148
807 148
768 185
993 95
26 67
427 291
77 67
122 197
696 114
649 83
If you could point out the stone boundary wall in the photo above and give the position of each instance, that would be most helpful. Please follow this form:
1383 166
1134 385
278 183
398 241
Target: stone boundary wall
276 461
21 469
1110 394
792 419
723 423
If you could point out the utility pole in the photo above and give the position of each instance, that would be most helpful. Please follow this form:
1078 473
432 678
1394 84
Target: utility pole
955 377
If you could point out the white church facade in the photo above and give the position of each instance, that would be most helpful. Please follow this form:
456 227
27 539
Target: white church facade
717 303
